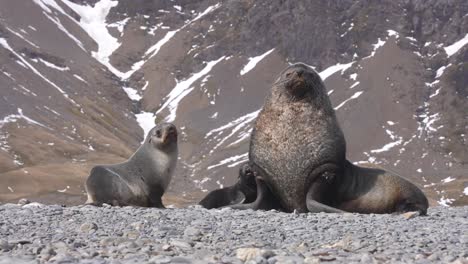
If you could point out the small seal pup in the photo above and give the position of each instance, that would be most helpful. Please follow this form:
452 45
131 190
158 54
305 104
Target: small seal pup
245 191
298 150
143 178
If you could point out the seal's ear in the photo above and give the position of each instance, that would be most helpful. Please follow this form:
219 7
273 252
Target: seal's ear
222 197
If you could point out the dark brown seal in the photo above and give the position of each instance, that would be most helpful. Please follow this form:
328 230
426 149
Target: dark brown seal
297 145
298 149
143 178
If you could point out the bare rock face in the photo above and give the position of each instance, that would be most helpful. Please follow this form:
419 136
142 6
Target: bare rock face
80 79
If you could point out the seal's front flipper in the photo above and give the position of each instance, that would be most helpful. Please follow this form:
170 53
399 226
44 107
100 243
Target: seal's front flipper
316 207
223 197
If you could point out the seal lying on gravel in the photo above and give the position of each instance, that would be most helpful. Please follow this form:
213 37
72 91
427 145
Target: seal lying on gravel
243 192
298 149
143 178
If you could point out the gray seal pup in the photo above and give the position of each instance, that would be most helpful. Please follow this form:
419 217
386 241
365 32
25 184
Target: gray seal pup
143 178
298 150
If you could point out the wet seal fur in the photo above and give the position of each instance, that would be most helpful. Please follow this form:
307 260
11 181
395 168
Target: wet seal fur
298 150
143 178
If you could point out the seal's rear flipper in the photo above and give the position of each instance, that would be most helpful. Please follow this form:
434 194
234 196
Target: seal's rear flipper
223 197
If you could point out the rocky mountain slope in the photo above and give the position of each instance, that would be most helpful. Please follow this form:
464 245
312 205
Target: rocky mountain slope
82 80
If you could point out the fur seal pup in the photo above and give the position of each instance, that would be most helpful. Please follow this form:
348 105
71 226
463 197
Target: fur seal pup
245 190
298 150
143 178
248 189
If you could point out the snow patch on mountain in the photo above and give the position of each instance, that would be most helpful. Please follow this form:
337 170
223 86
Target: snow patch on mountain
354 96
455 47
5 44
146 122
182 89
335 68
254 61
22 37
48 13
93 22
20 115
232 161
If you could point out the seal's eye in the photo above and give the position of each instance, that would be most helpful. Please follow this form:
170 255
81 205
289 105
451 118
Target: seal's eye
288 74
158 133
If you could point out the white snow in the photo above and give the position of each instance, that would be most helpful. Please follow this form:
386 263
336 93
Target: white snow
435 93
455 47
132 93
23 38
234 160
79 78
390 123
53 66
332 69
182 89
5 44
354 85
153 50
441 70
20 115
387 147
33 28
353 76
448 179
254 61
355 95
48 12
445 201
9 75
146 122
93 22
393 33
236 125
120 25
465 191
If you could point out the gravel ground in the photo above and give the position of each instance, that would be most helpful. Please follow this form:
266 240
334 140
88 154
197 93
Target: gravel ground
36 233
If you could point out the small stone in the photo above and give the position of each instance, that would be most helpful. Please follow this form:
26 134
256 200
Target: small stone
88 227
166 247
181 244
311 260
246 254
460 261
23 201
5 246
33 205
132 234
160 260
180 260
409 215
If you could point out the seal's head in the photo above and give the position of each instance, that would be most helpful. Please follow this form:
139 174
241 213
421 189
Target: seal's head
247 176
299 80
163 136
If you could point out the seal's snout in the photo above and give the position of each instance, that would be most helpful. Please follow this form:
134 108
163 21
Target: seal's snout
170 132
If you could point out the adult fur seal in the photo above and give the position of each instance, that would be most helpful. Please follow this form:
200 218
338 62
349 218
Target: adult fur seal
247 190
298 149
143 178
